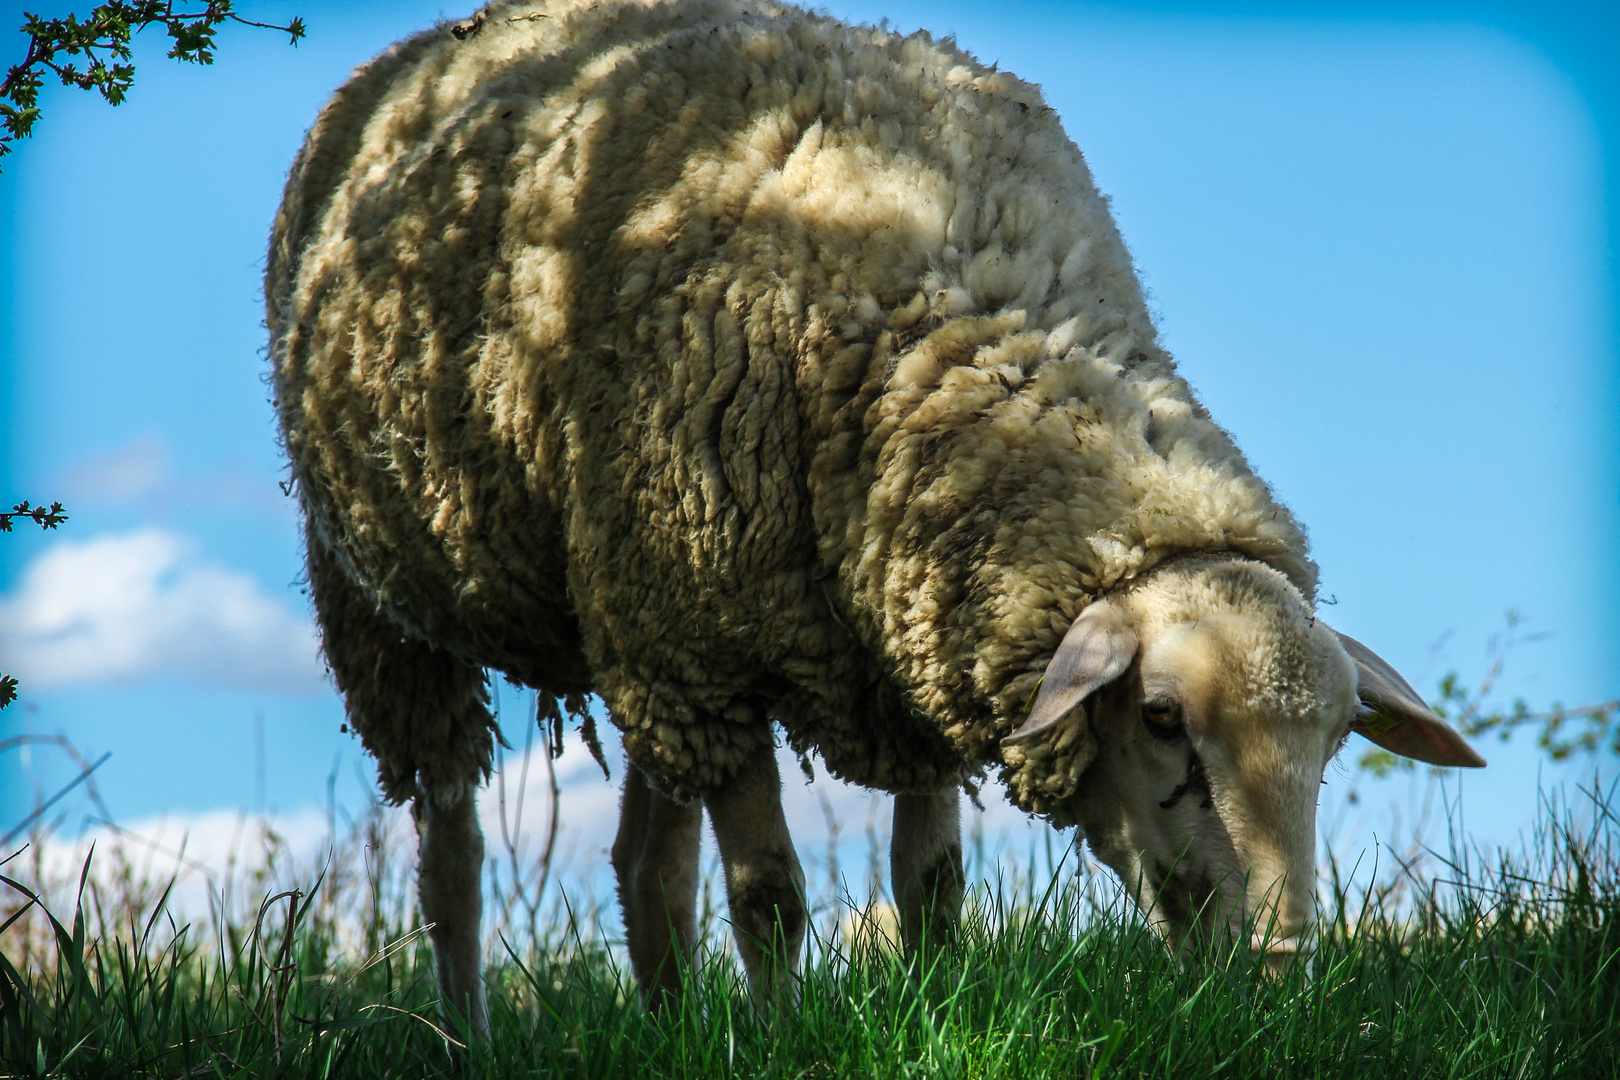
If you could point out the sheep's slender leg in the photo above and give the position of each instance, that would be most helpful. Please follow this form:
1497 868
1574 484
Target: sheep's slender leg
423 714
925 864
764 883
655 857
452 859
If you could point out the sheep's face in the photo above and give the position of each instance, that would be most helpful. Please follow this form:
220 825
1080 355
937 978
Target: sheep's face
1211 749
1216 700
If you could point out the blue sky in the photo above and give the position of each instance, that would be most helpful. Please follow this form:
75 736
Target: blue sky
1378 239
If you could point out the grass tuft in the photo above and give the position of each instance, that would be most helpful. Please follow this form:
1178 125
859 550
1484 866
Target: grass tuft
1505 965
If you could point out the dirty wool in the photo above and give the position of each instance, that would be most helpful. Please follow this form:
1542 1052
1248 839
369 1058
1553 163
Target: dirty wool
738 365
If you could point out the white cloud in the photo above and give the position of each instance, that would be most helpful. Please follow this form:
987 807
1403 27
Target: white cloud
226 858
225 850
200 853
123 607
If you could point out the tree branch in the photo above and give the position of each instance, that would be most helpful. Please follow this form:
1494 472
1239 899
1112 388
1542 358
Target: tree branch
108 30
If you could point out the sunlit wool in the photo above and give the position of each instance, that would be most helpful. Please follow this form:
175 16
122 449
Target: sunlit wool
737 365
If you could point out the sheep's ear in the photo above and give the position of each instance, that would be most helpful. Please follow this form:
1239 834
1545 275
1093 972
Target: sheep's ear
1397 719
1096 651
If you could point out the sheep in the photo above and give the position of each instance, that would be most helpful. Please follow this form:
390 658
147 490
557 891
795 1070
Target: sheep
754 371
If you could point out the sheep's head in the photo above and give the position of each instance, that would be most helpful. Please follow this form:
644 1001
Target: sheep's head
1216 700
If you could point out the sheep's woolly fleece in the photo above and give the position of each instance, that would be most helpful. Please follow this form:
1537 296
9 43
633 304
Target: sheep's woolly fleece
738 365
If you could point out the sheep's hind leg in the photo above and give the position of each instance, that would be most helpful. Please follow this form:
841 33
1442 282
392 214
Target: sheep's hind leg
925 865
452 858
764 882
423 714
655 858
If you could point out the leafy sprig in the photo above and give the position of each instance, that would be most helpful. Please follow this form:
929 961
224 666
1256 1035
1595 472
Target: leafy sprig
93 53
45 517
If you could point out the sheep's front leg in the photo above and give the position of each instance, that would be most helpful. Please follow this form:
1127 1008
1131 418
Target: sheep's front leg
655 858
452 858
925 866
764 883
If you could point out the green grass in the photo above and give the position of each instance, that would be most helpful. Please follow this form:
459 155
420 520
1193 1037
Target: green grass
1507 966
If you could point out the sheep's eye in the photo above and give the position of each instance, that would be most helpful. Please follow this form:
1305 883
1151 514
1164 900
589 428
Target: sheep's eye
1162 718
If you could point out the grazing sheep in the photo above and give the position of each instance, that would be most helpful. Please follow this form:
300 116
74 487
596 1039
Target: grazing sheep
744 367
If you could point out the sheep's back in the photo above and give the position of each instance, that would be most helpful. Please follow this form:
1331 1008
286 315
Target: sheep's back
713 355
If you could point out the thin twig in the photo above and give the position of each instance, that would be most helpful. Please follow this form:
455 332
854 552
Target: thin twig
52 801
